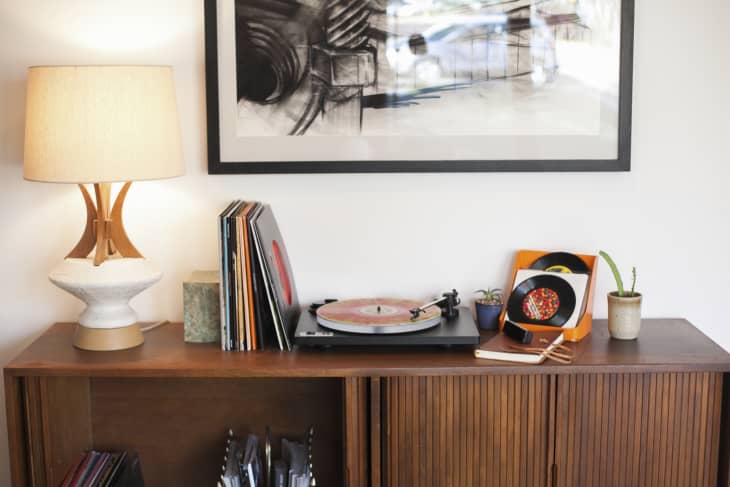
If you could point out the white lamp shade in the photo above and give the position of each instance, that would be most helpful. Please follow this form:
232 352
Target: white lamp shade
101 124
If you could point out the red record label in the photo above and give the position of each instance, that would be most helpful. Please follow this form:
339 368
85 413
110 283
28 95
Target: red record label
281 270
541 304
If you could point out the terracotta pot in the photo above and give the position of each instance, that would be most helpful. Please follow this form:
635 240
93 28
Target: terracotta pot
624 316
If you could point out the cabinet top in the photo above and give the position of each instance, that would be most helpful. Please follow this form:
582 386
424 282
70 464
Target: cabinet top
664 345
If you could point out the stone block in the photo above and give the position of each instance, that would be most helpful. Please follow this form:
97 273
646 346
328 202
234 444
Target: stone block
201 307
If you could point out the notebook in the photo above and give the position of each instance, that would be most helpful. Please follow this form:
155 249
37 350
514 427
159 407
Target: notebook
495 348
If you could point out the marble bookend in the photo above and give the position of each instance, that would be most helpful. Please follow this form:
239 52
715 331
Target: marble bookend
201 301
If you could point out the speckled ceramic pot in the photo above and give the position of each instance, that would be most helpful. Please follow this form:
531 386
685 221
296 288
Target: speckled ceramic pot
624 316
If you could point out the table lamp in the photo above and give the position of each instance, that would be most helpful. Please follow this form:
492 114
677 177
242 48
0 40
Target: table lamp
99 125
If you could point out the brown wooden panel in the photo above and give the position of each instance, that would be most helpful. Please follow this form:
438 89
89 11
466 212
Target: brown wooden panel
639 430
356 432
15 414
375 432
466 431
56 428
179 426
66 423
34 431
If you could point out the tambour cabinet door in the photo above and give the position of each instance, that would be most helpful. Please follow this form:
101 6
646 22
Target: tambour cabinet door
642 430
466 431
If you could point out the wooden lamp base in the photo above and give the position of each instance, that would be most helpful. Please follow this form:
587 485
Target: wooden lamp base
104 227
108 339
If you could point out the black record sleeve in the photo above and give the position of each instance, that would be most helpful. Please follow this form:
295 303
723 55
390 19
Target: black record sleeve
267 297
223 229
262 311
278 272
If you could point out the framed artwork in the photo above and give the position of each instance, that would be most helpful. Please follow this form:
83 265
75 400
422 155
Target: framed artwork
314 86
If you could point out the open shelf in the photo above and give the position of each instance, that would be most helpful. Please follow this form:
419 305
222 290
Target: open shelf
179 426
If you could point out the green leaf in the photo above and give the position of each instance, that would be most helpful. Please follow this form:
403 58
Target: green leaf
614 269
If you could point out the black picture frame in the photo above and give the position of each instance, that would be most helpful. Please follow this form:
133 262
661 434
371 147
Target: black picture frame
621 163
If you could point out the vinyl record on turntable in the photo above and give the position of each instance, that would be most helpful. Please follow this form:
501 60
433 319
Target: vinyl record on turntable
542 300
561 262
376 316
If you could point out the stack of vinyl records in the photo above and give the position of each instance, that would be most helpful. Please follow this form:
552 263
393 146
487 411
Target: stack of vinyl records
259 306
105 469
243 467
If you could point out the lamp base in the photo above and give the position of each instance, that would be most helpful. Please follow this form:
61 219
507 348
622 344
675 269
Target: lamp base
108 339
108 322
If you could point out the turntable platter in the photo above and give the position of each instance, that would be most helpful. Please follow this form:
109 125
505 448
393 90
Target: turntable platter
377 316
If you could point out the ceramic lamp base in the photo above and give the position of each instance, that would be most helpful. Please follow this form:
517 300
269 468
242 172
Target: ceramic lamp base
108 322
108 339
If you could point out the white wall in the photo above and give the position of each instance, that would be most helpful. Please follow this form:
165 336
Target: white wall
361 235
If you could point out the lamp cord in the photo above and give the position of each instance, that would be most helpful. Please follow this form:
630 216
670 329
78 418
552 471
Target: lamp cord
153 326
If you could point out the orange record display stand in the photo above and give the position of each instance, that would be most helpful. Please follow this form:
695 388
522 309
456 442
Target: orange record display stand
523 260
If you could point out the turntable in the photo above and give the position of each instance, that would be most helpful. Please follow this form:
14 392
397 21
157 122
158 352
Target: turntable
387 322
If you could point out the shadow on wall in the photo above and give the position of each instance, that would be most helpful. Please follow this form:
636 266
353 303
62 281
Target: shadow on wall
12 121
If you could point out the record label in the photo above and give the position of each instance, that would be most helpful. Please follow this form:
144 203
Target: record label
541 304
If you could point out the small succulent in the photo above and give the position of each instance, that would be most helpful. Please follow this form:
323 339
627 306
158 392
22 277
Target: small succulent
619 282
490 296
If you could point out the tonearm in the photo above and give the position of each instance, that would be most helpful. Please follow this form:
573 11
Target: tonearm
448 303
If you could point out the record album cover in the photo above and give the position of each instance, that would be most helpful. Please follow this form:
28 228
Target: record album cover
278 272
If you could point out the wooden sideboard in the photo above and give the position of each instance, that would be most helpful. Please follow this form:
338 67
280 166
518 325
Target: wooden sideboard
651 412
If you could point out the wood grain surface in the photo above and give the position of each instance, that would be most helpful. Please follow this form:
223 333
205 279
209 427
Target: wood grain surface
665 345
470 431
355 439
642 430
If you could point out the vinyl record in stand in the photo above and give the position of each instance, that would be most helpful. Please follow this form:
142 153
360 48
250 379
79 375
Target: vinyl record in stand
562 262
542 300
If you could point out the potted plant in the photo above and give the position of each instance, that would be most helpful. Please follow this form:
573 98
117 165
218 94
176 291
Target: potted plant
624 307
488 307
